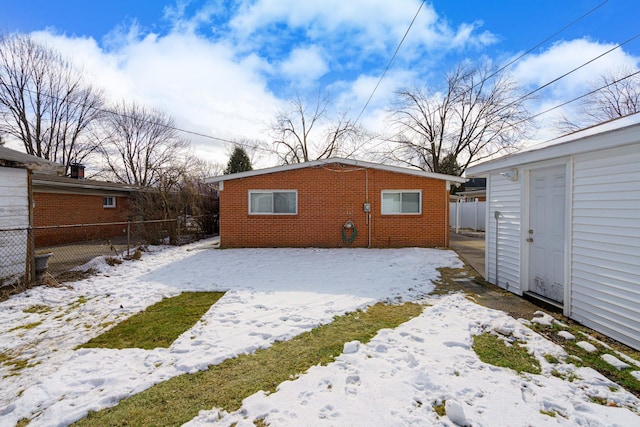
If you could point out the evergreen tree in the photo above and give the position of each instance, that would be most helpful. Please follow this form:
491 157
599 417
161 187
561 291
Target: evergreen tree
238 162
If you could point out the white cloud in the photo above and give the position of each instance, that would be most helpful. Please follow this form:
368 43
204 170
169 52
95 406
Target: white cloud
536 70
367 25
215 70
304 65
563 57
202 84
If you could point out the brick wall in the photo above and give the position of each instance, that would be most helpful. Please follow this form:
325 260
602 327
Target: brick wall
328 196
65 209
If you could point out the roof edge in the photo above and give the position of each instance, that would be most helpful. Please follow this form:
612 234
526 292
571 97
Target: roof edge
591 139
331 161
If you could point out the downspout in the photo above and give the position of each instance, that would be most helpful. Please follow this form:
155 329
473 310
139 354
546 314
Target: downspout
30 272
497 214
447 220
366 171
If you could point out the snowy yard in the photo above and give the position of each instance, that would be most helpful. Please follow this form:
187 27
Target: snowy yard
275 294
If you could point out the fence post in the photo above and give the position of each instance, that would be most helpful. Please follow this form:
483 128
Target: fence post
475 211
128 236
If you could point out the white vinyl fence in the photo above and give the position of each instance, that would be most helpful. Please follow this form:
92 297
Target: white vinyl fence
467 215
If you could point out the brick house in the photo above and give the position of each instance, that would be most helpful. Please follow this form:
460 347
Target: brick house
332 203
60 201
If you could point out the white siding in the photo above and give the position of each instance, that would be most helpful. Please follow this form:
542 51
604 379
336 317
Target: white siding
605 261
14 213
505 197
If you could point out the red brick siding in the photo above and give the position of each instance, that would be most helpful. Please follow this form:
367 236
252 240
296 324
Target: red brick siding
328 196
66 209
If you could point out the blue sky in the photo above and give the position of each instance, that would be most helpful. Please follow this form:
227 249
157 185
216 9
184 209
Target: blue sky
224 68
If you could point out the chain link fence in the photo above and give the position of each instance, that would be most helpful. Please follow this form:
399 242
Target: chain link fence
14 257
110 241
118 240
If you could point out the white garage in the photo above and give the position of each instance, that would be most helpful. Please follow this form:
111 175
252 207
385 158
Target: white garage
15 212
563 225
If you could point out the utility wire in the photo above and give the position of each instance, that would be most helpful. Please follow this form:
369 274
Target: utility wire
519 57
177 129
567 73
389 63
542 112
502 68
577 98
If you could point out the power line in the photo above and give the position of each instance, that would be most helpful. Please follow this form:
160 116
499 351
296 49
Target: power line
502 68
523 97
113 112
578 98
389 63
519 57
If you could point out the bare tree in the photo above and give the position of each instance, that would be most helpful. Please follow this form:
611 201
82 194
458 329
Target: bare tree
306 132
613 95
141 146
45 102
475 116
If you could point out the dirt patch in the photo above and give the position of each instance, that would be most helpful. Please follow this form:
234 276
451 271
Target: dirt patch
467 280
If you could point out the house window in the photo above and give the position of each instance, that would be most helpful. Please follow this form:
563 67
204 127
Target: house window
401 202
273 202
108 202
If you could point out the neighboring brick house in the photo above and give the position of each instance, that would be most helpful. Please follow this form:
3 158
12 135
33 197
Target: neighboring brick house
60 201
332 203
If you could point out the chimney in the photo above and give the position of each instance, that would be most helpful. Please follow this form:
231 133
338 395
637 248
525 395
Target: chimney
77 171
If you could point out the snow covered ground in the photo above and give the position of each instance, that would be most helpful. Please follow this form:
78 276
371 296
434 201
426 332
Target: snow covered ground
275 294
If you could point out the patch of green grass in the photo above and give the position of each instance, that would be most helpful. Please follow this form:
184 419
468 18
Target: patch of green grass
549 413
495 351
551 358
27 326
599 400
81 300
224 386
37 309
159 325
571 377
14 363
439 408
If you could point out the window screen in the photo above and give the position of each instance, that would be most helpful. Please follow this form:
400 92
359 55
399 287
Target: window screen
273 202
402 202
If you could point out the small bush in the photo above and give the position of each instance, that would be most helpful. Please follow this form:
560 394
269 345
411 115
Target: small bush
112 260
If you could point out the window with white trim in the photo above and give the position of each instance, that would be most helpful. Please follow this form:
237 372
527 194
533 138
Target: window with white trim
404 202
108 202
276 202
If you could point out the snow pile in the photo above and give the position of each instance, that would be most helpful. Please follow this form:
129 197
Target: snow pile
587 346
614 361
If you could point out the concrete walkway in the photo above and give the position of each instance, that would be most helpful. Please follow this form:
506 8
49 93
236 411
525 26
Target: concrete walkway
470 246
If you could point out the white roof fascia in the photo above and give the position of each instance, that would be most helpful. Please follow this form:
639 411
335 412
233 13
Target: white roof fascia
599 137
334 160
